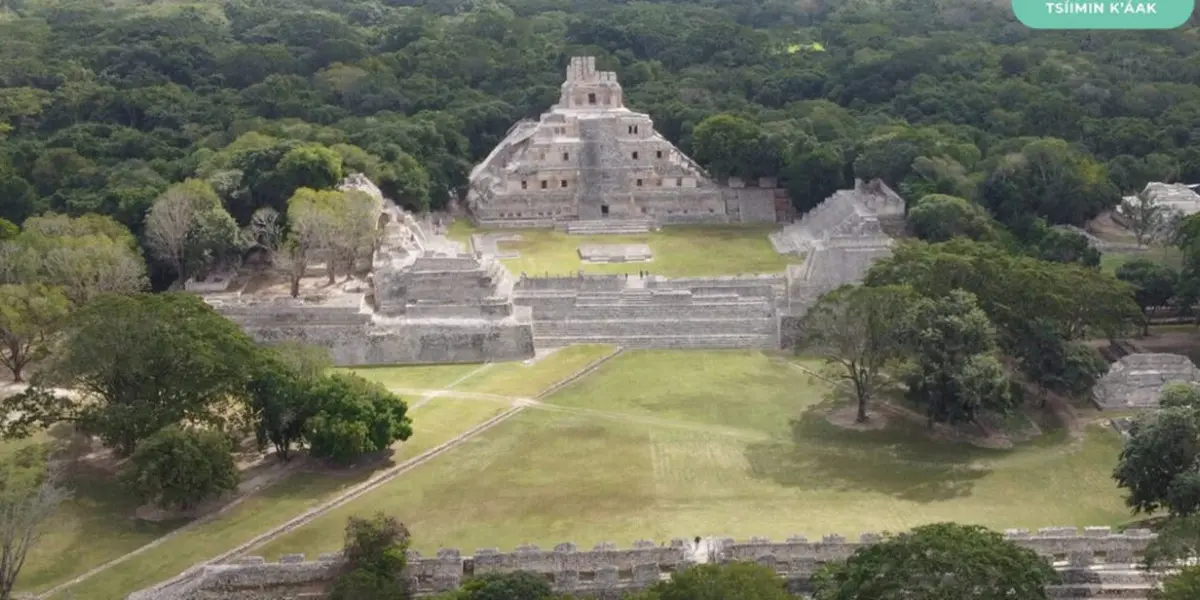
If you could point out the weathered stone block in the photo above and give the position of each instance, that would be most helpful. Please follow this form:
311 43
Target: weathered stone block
291 558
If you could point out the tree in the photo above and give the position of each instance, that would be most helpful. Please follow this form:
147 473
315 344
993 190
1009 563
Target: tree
734 581
1159 463
375 557
189 229
937 218
84 257
733 146
1153 284
30 491
352 232
943 561
310 166
858 330
355 417
1146 217
281 399
956 372
1184 585
518 585
180 468
312 220
30 317
140 363
1049 178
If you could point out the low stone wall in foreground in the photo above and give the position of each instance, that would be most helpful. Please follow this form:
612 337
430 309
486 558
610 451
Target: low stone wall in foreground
606 571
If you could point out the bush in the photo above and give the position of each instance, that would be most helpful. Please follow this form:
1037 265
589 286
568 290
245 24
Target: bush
374 551
179 468
355 417
520 585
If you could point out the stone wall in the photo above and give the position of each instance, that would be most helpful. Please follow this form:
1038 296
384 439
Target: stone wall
1137 380
606 569
654 312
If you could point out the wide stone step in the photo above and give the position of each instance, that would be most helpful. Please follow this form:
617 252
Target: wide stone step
655 327
614 226
667 342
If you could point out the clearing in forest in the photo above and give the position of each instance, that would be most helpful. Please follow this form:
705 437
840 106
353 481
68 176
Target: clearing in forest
662 444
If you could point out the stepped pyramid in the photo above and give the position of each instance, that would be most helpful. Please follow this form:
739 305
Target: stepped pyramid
590 158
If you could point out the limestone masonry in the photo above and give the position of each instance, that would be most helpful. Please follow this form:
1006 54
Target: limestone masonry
589 158
1095 563
427 301
430 301
1137 380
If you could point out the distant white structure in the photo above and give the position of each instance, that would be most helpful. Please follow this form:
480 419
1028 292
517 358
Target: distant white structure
1180 198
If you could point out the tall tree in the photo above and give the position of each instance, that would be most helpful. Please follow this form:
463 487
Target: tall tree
858 330
140 363
31 315
1154 284
943 561
355 417
1146 217
375 557
189 229
30 491
957 373
938 218
84 257
1160 463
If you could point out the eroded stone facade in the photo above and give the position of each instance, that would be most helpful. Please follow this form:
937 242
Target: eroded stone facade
427 300
591 158
1137 380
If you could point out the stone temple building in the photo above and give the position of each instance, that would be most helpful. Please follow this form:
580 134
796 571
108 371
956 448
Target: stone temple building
591 160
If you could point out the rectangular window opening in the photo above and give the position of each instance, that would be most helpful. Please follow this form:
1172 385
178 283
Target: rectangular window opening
545 184
639 183
658 154
635 154
591 98
524 184
566 156
562 183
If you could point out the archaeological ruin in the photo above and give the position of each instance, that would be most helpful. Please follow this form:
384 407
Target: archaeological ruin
1137 380
1094 563
429 300
594 166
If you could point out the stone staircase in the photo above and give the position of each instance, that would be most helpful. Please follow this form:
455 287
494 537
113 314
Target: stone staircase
611 226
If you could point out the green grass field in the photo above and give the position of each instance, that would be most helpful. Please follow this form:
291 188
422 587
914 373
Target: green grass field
522 380
113 532
679 251
433 377
672 444
1111 261
433 424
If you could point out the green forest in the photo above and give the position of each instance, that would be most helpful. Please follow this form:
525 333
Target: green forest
105 106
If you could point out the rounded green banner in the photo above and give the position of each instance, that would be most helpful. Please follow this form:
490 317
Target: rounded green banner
1153 14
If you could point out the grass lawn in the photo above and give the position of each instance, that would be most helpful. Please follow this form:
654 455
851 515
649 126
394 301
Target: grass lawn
1111 261
433 377
528 380
433 424
661 444
679 251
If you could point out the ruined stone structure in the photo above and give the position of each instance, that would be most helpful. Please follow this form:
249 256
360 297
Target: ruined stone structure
431 301
1095 563
1137 380
654 312
598 167
840 239
428 301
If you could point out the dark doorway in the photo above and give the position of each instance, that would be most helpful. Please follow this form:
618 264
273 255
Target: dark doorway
604 210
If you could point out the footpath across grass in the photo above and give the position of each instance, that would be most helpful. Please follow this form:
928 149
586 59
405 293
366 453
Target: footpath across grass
676 444
434 423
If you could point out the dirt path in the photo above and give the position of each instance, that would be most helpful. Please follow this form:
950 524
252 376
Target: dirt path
375 481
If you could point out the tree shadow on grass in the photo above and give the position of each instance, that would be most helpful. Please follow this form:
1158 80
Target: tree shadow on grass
896 461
